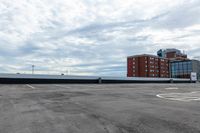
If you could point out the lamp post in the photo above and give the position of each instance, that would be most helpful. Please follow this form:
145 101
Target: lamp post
68 71
33 66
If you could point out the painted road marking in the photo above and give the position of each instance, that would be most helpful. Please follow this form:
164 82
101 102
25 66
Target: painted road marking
62 86
186 97
172 88
30 86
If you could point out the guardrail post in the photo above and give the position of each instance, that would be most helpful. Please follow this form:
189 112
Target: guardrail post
171 81
99 80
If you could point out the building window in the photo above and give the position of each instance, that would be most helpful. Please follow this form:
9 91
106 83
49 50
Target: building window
151 62
151 70
152 75
152 67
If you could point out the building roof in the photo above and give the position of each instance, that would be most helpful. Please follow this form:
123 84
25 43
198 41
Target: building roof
169 50
173 61
146 55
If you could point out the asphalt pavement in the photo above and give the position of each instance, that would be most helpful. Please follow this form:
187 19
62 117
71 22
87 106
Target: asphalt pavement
105 108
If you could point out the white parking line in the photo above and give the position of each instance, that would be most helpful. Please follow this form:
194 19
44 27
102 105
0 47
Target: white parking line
62 86
185 97
172 88
30 86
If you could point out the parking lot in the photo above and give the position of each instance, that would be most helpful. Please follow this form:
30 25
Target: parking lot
105 108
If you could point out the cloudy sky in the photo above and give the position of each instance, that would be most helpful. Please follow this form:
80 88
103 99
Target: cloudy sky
92 37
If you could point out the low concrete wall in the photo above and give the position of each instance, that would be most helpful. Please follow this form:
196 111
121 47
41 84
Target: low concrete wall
142 81
45 81
60 79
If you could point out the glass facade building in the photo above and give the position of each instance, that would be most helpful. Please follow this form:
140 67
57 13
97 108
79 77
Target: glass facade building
183 69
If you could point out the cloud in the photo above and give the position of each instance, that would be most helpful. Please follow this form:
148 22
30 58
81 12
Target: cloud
88 37
180 16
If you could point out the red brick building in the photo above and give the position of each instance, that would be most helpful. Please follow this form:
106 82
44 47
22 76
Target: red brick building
147 66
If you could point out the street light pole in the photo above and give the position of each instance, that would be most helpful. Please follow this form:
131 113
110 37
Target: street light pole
68 71
33 69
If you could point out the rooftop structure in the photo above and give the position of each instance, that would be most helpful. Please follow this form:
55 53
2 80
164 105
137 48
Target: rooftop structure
172 54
